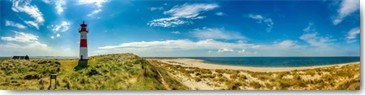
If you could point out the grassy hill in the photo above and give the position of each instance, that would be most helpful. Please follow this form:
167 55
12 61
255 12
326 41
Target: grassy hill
104 72
130 72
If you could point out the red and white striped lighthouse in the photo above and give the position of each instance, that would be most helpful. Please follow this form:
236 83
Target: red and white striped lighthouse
83 41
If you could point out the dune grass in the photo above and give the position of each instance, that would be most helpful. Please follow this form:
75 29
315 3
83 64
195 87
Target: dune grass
26 74
130 72
345 77
104 72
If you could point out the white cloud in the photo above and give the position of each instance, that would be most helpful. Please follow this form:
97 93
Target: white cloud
309 28
94 12
23 43
182 47
242 51
219 13
225 50
57 29
347 7
32 23
261 19
21 37
175 32
32 10
190 10
210 47
241 41
182 44
167 22
256 17
216 33
57 36
13 24
62 27
156 8
98 3
182 14
286 44
60 6
269 24
26 46
25 40
210 51
315 40
352 34
46 1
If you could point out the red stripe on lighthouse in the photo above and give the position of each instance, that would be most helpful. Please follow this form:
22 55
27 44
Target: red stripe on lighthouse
83 43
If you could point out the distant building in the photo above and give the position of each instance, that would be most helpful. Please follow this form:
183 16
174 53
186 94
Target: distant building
26 57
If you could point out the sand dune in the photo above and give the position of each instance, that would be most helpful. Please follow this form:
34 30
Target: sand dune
198 75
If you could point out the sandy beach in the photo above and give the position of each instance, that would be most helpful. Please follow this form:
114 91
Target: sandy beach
186 62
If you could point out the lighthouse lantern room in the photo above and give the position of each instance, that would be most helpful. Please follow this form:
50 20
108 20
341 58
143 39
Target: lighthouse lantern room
83 41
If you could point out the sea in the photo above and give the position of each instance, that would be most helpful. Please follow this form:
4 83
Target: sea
278 61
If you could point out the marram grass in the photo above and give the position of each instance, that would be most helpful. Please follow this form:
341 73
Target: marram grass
130 72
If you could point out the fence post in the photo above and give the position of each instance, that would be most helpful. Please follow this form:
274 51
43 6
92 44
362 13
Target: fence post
54 77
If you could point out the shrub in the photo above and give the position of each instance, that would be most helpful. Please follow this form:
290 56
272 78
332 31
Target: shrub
32 76
93 72
197 79
233 86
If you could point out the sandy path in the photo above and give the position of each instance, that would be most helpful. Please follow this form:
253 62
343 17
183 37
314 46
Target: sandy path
193 85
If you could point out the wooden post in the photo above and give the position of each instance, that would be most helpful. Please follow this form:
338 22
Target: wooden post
54 77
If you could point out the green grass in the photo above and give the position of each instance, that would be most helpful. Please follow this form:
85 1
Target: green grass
104 72
24 74
130 72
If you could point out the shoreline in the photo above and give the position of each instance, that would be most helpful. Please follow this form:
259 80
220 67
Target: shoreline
189 62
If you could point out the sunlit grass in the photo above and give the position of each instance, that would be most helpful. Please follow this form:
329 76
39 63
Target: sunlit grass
325 78
130 72
104 72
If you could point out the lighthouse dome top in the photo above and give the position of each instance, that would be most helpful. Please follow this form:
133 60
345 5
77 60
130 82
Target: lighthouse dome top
83 27
83 24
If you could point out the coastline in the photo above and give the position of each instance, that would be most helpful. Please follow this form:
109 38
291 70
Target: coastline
187 62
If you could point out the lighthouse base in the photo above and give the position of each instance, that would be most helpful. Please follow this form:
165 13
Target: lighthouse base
82 64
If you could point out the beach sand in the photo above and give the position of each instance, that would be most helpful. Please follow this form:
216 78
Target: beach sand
186 62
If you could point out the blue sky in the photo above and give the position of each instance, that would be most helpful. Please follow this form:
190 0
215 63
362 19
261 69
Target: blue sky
181 28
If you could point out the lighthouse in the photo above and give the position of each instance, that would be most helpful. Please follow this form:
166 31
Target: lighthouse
83 42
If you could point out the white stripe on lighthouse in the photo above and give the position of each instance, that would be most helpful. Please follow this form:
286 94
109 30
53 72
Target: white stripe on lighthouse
83 53
83 35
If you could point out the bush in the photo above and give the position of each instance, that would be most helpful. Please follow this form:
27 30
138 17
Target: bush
93 72
32 76
233 86
197 79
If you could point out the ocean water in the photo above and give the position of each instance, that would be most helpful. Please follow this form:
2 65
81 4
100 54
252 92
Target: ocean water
278 61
